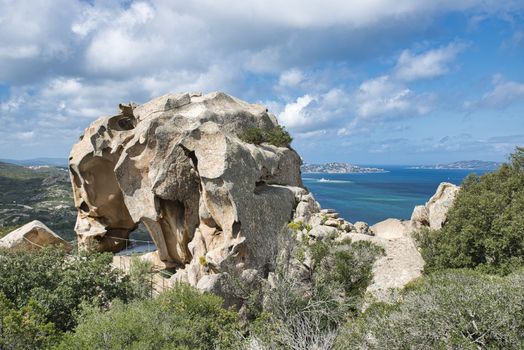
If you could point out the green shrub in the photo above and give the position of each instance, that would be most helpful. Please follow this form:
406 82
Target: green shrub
485 227
181 318
296 226
7 229
305 305
349 266
277 136
452 309
24 328
59 283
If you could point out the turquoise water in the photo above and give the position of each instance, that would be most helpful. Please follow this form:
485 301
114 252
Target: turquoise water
375 197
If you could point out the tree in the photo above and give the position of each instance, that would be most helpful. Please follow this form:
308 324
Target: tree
24 328
485 227
277 136
58 283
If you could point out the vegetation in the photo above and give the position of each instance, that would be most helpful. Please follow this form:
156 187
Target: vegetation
485 227
304 307
7 229
41 193
470 297
56 284
454 309
25 327
278 136
180 318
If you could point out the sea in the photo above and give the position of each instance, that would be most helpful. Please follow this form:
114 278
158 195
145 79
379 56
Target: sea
373 197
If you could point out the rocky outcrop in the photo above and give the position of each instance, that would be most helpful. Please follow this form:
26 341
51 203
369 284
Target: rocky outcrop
212 202
177 165
434 213
33 235
401 262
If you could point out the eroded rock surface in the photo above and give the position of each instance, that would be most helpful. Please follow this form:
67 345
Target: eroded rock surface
33 235
177 165
434 213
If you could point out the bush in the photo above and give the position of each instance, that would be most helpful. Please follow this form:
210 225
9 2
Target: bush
58 283
278 136
485 227
24 328
304 306
180 318
7 229
452 309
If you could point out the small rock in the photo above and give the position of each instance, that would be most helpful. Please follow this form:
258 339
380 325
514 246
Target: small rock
362 228
347 227
332 223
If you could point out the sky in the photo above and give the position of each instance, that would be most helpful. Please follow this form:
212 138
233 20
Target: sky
366 82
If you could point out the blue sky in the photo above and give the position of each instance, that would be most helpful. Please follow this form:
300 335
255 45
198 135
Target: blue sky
368 82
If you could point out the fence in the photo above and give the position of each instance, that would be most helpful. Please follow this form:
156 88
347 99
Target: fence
158 280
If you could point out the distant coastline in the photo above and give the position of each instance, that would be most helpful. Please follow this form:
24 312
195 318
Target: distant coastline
462 165
338 168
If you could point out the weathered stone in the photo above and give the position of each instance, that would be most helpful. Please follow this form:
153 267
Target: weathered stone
434 213
177 165
321 232
391 228
33 235
332 222
362 228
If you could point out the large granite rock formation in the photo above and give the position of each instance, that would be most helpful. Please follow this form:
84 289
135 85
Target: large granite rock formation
33 235
212 202
434 213
177 165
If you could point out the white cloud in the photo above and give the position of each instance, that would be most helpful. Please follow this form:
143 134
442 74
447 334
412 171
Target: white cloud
503 94
66 62
25 136
295 114
384 98
291 78
426 65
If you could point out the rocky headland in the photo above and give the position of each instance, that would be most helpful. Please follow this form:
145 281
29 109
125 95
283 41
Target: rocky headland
463 165
212 203
338 168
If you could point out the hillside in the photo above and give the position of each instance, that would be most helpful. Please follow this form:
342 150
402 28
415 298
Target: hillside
36 193
56 162
337 168
464 164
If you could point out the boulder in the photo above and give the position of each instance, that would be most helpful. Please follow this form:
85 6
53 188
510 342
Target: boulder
177 165
400 264
332 222
391 228
362 228
33 235
434 213
321 232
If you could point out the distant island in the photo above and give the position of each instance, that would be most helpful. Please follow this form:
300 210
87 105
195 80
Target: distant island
464 164
338 168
